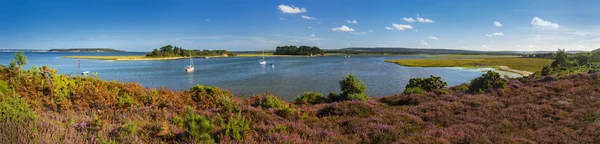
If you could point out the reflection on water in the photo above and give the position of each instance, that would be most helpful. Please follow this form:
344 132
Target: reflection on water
244 75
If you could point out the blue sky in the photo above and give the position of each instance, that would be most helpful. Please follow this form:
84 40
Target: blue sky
253 25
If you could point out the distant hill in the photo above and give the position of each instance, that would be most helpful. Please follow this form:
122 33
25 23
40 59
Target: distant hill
85 50
401 50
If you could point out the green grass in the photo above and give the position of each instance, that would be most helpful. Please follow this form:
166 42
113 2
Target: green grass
524 64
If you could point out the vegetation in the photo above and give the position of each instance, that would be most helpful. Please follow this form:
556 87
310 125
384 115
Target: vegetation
294 50
352 89
310 98
418 85
85 109
524 64
565 63
174 51
86 50
487 82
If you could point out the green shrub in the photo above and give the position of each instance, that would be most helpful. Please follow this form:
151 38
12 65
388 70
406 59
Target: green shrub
15 109
486 82
333 97
128 128
176 120
413 90
426 84
352 89
4 88
310 98
463 87
198 126
285 112
358 96
126 101
351 85
278 129
271 101
235 127
227 104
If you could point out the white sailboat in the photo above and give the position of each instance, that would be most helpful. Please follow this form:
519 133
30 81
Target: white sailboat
263 61
190 68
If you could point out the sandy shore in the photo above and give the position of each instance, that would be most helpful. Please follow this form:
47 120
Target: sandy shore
507 69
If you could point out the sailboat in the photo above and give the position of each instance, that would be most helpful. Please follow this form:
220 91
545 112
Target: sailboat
263 61
190 68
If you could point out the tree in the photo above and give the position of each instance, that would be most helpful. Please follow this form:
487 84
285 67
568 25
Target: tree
561 58
426 84
17 63
352 88
595 55
486 82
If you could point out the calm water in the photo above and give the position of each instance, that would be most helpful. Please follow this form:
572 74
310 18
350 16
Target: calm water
243 75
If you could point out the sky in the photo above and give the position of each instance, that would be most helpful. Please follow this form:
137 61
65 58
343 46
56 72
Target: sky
142 25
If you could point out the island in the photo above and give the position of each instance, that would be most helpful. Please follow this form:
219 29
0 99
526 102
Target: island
302 50
86 50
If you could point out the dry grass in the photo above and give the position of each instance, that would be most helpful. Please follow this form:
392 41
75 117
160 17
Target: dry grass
524 64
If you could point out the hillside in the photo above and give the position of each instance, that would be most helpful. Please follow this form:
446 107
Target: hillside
38 105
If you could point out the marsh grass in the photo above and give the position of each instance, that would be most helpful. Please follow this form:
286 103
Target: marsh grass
473 61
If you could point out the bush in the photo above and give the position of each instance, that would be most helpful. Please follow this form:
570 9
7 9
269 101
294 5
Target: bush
352 89
4 88
271 101
413 90
126 101
128 128
198 126
486 82
15 109
235 127
310 98
427 84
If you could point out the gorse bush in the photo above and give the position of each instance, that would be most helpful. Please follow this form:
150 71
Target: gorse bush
198 126
413 90
126 101
352 88
486 82
4 88
14 109
427 84
310 98
235 127
271 101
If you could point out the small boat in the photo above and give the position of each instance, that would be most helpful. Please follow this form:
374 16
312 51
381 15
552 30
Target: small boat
190 68
263 61
272 66
206 57
85 73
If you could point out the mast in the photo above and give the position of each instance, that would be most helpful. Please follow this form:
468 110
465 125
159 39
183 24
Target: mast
191 61
263 55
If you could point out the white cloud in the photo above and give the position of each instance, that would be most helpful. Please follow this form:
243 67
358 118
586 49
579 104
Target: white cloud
401 27
291 9
498 24
433 38
531 46
538 22
371 31
408 19
484 46
313 35
343 29
309 27
389 28
495 34
308 17
206 19
348 44
280 18
425 20
352 22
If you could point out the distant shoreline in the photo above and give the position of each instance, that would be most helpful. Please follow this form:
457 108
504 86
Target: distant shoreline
129 58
